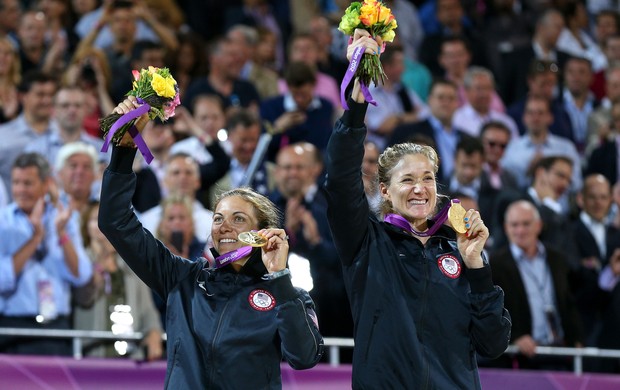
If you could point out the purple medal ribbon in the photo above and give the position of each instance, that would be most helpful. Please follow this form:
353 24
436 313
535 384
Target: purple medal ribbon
356 58
133 131
232 256
438 220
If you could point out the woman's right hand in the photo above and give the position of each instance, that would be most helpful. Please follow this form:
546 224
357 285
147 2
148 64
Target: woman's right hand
362 38
372 46
129 104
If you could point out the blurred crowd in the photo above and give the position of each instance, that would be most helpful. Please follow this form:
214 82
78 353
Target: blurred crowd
520 98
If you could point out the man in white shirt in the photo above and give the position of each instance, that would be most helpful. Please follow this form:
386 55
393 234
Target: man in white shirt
479 89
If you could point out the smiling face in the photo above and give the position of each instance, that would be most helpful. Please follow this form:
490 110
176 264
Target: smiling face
233 215
412 190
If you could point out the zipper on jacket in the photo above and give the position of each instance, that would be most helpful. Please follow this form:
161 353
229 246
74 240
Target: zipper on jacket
375 319
425 363
216 335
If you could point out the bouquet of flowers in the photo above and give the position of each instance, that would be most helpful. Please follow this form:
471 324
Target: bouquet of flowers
158 92
374 17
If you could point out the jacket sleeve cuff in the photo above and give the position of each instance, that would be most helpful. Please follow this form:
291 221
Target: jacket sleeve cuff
283 289
354 116
480 280
122 159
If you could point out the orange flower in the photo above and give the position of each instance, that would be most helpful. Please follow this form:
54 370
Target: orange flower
369 13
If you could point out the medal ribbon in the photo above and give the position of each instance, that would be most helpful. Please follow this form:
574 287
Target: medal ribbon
356 58
438 220
232 256
133 131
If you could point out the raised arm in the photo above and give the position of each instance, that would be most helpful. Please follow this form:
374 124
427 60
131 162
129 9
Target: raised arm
348 209
147 257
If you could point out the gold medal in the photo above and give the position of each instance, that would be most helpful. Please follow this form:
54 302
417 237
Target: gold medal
456 215
252 239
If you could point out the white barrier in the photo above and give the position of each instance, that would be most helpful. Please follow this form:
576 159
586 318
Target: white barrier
333 344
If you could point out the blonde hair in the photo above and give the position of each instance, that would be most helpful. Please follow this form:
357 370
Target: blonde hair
85 52
14 73
392 155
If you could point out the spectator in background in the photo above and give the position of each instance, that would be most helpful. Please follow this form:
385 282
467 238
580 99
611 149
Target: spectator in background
411 33
10 15
223 79
303 47
264 14
10 77
506 27
266 48
479 85
542 82
550 193
469 178
515 64
579 102
188 62
328 62
454 59
202 127
439 128
182 178
176 227
77 175
535 280
396 104
611 48
159 137
58 25
606 24
4 194
36 95
604 158
575 38
243 134
600 121
69 114
594 241
41 257
101 27
89 71
245 40
122 17
498 183
450 15
299 114
370 170
116 284
34 52
304 208
523 153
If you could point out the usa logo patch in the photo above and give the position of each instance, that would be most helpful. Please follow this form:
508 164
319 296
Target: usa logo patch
449 266
261 300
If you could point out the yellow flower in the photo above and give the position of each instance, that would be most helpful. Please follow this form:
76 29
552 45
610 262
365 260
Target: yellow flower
388 36
163 87
385 15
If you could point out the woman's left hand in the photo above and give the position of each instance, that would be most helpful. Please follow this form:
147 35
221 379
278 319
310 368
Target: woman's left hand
472 242
275 253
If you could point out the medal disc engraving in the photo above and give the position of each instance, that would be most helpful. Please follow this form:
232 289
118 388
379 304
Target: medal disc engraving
456 214
252 239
